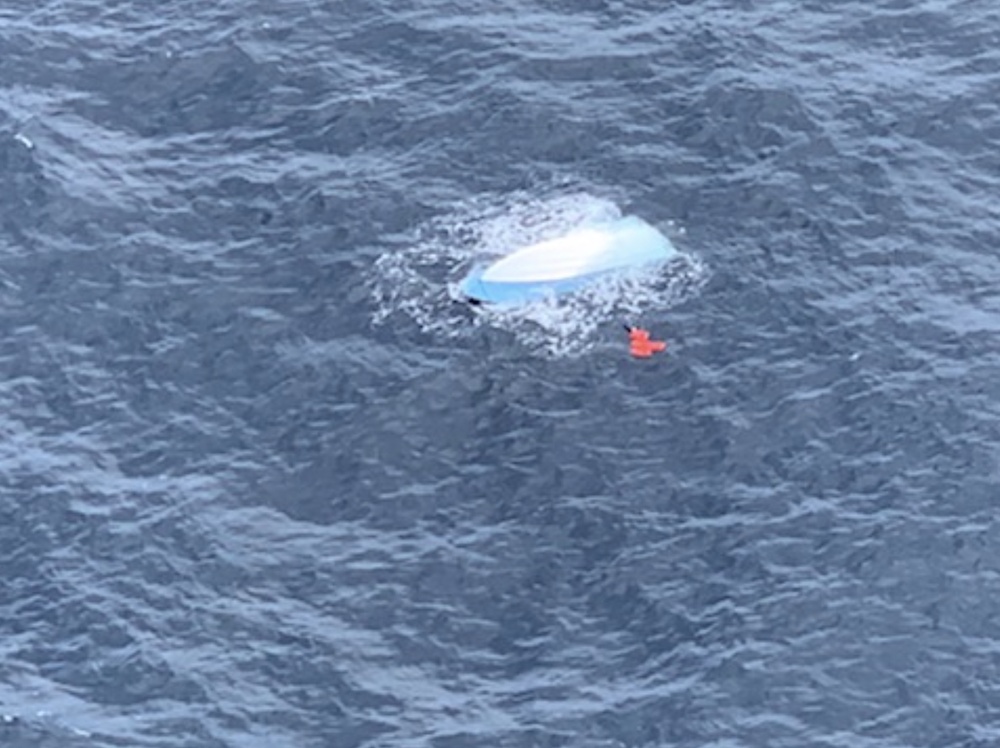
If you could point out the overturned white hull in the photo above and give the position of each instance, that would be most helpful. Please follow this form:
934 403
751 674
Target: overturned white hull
568 262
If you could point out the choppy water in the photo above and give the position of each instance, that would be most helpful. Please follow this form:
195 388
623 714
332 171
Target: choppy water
263 483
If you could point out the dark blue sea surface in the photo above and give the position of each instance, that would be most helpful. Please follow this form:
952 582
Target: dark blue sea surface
265 484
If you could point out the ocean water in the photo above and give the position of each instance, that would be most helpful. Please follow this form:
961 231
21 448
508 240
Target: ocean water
265 482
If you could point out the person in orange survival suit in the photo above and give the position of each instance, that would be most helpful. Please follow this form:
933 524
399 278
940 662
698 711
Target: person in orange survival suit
640 344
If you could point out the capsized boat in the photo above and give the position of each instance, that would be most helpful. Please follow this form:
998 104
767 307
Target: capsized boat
567 263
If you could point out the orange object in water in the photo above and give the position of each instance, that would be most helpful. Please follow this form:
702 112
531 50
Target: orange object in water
641 346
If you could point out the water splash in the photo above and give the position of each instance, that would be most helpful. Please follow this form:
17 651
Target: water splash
421 281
